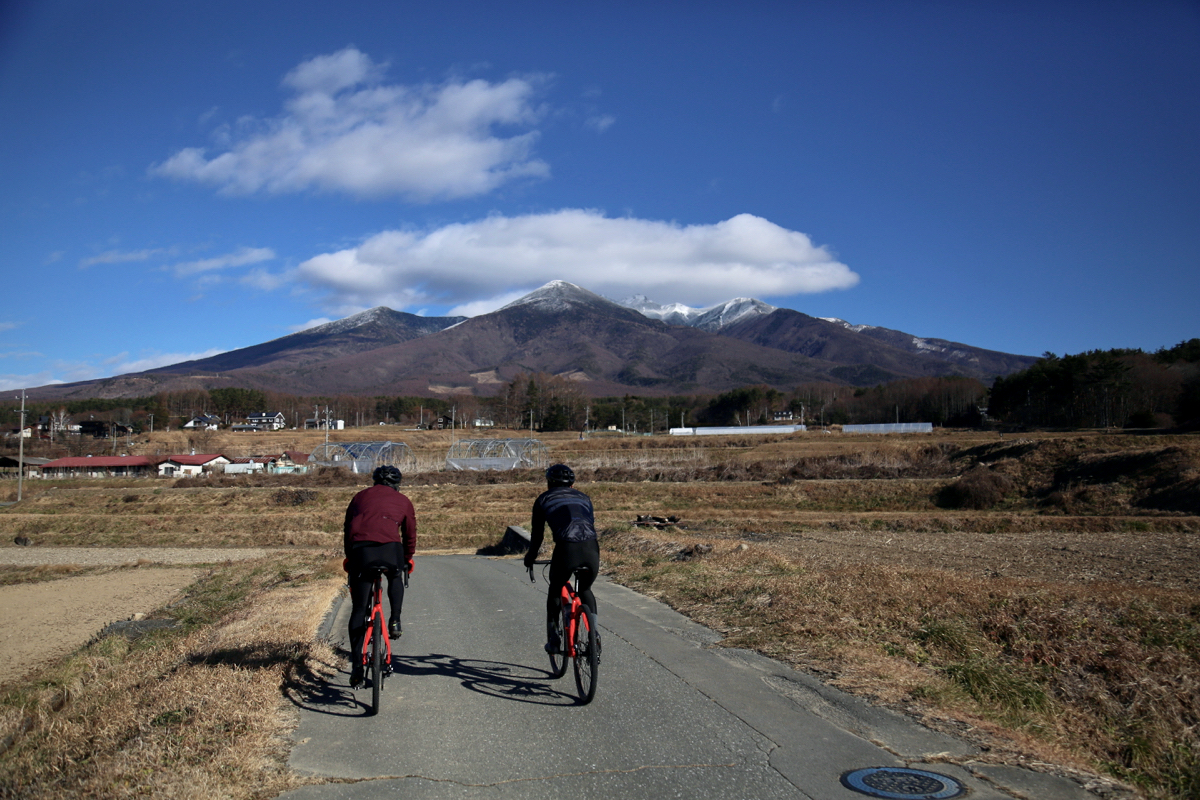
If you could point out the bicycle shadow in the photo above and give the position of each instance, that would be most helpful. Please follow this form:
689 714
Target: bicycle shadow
516 682
332 696
324 694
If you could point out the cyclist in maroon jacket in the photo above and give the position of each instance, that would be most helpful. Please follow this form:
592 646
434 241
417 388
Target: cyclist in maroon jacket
380 531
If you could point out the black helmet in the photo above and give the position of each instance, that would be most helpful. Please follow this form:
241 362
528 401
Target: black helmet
559 475
387 475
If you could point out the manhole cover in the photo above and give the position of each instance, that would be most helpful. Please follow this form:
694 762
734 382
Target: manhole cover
897 783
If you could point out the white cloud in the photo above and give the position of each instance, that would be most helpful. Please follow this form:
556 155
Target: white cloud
267 281
8 326
312 323
122 364
238 258
122 257
344 131
12 381
480 266
486 305
600 122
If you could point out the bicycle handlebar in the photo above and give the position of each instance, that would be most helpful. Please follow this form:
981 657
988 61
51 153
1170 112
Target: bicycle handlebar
531 566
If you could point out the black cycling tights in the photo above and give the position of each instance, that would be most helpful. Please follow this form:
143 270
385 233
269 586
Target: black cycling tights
390 554
568 557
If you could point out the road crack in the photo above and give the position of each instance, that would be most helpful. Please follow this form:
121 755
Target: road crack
490 784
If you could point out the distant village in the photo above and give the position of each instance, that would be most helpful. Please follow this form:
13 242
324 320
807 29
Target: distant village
176 466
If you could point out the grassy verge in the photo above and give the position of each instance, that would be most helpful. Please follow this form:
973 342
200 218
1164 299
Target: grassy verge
192 711
1100 676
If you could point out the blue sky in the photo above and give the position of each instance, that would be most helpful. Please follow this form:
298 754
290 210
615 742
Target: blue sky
183 179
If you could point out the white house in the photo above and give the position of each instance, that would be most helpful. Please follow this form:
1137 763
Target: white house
207 422
267 420
191 465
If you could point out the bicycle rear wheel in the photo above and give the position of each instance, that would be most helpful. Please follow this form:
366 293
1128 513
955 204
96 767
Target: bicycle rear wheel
558 660
377 646
587 656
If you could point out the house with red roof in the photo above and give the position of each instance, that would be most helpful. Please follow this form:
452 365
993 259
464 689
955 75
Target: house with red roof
187 466
100 467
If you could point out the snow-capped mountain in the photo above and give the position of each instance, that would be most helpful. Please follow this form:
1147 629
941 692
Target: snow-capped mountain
952 351
611 348
710 319
558 296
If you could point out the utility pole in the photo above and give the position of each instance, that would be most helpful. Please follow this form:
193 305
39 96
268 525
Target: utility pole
21 449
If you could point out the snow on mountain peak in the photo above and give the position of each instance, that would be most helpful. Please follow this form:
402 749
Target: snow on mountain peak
556 296
710 319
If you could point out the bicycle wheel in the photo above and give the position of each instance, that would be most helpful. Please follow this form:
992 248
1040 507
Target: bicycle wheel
587 656
558 660
377 646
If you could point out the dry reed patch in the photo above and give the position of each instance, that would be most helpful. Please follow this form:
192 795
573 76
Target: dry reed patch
1105 673
176 714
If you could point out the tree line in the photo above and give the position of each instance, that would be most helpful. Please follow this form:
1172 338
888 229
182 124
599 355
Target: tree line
1112 388
1104 388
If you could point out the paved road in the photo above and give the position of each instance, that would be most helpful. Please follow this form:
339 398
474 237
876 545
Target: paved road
472 713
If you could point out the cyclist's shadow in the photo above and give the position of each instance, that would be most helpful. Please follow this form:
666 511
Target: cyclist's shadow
332 695
515 682
321 693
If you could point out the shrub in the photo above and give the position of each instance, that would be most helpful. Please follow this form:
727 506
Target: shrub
294 497
979 488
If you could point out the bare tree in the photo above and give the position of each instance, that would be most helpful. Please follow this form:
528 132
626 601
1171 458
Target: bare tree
60 422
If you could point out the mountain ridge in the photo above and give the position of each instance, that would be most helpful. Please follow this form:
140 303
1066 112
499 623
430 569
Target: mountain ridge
563 329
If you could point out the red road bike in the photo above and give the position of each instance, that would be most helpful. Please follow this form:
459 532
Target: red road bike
578 637
377 648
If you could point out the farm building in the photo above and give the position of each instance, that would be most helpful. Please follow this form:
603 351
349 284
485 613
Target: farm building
191 465
100 467
250 464
9 465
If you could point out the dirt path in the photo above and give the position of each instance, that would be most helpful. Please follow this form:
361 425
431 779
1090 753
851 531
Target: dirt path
40 621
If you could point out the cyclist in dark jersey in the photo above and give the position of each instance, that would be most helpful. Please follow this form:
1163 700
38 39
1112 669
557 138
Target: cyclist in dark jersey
380 530
568 512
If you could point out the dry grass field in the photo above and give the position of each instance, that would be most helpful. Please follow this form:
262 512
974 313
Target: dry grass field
1038 594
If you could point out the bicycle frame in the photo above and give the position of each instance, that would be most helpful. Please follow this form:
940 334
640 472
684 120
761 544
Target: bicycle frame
572 611
579 645
376 611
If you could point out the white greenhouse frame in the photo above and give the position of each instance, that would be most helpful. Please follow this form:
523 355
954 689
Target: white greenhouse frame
364 457
500 454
